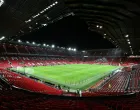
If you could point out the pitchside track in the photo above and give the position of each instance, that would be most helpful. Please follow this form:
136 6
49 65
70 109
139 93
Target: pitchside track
75 76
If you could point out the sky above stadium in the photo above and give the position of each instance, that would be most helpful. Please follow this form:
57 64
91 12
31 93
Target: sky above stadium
69 32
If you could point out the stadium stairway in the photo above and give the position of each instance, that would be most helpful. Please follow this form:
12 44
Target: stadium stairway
134 85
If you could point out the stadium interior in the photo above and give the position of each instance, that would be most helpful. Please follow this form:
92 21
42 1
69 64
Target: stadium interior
100 70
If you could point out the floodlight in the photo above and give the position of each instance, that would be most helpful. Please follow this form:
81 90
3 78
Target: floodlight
29 20
127 35
33 43
53 4
2 38
69 48
19 40
44 24
56 2
1 2
101 27
42 11
74 49
53 46
30 27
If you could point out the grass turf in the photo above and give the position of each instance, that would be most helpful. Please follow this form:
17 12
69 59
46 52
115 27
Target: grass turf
75 76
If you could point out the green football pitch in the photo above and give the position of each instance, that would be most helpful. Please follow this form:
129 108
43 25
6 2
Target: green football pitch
74 76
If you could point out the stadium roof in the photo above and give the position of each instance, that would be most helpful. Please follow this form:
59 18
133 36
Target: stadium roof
117 20
19 17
